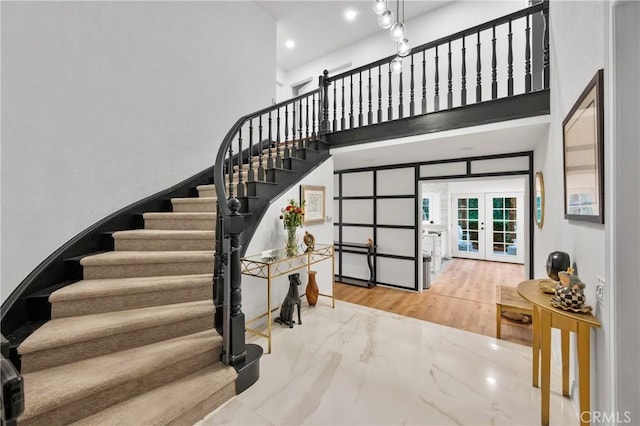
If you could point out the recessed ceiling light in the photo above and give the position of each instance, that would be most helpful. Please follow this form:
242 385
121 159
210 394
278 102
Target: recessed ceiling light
350 14
290 44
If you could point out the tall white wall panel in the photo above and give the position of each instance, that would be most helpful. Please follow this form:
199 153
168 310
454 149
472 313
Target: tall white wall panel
400 242
357 211
397 272
357 184
396 181
396 211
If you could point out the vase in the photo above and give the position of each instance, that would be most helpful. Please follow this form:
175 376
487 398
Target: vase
312 290
291 246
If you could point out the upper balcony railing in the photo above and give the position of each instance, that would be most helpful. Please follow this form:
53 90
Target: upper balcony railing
486 62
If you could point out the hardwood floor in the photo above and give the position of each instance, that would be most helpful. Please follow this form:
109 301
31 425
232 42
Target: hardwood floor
462 296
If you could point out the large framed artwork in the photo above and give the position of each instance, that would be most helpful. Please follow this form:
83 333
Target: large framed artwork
313 199
583 147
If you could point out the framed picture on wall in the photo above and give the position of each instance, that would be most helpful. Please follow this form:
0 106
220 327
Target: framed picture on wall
314 200
583 148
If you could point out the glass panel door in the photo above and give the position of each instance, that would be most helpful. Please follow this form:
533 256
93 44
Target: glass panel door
469 211
504 231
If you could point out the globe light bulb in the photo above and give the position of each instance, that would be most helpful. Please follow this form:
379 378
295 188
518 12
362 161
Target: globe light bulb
403 48
385 20
397 31
379 6
396 65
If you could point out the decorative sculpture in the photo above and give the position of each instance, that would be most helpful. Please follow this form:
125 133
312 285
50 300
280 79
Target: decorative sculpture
291 299
570 291
309 241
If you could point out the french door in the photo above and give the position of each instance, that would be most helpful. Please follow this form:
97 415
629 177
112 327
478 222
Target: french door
488 226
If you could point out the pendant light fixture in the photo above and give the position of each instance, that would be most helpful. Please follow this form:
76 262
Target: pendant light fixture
396 65
403 48
379 6
397 30
385 20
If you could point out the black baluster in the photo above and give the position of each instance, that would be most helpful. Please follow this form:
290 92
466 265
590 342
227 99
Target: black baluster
251 174
370 113
450 82
527 58
390 107
230 170
323 104
545 48
287 152
313 116
351 101
306 121
463 90
292 150
240 188
478 72
436 97
342 119
510 63
412 104
379 93
400 96
494 66
299 144
260 158
270 160
360 116
278 156
424 82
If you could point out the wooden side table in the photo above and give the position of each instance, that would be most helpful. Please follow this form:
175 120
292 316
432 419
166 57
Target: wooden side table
508 299
546 317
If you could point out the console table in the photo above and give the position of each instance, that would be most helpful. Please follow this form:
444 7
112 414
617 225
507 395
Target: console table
544 318
278 264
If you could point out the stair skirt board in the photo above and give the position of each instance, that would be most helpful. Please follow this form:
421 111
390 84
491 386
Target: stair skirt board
120 294
68 393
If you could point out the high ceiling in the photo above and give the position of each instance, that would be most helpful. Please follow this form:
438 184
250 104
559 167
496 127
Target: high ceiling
318 27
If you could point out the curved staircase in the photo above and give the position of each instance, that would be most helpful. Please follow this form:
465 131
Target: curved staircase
133 342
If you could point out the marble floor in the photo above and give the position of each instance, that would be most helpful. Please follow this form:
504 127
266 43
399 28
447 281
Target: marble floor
354 365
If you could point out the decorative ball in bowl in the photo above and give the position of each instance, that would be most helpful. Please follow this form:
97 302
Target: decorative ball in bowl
557 261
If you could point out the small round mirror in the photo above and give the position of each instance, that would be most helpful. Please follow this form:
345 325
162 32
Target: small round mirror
539 212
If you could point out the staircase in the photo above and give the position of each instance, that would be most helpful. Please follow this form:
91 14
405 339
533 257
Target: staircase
132 342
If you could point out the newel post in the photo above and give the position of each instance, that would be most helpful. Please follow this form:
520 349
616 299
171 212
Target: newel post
324 83
233 227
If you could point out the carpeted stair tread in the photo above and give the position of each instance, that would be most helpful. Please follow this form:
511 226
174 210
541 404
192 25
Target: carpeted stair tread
206 187
194 204
165 234
64 331
73 391
126 286
118 294
184 401
113 258
180 215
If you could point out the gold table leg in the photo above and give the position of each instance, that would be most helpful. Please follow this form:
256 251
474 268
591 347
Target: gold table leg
545 346
535 345
583 371
564 336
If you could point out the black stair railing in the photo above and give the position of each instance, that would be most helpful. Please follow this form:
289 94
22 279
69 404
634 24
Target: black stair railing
503 63
251 155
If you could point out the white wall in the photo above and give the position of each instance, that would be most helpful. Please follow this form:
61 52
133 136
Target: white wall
577 45
270 234
441 22
104 103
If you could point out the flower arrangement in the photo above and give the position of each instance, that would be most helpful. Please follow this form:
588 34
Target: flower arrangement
292 215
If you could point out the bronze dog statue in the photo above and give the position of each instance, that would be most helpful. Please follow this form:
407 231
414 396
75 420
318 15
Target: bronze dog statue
291 299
